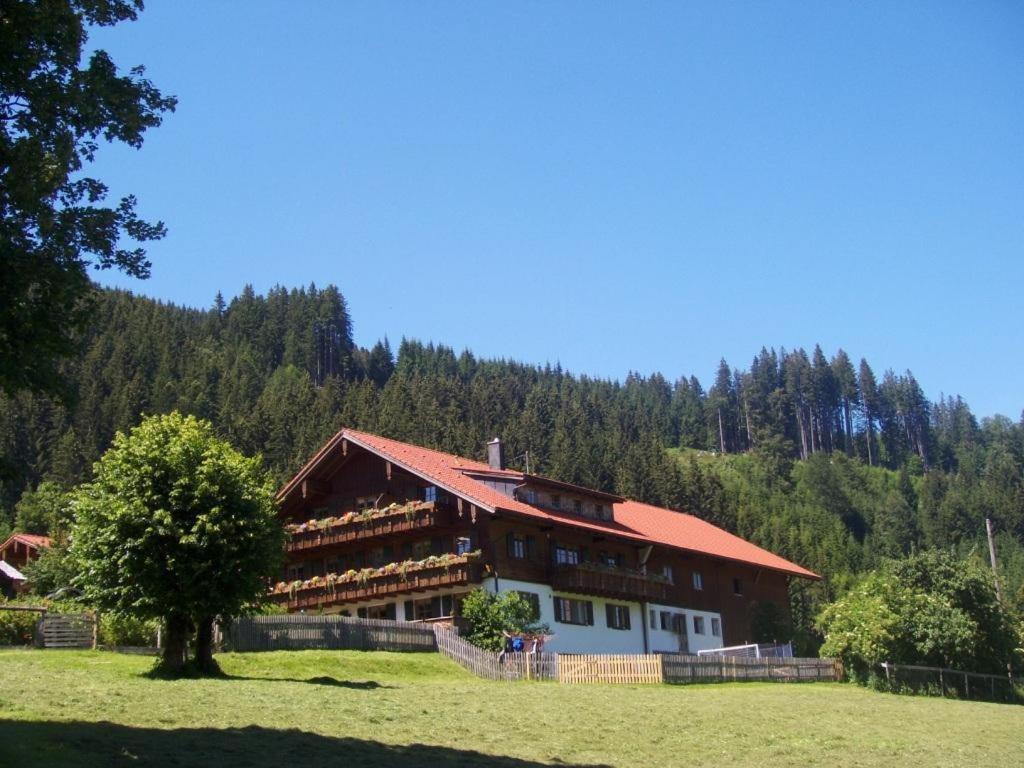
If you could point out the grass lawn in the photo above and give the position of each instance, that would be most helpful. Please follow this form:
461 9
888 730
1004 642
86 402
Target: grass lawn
311 708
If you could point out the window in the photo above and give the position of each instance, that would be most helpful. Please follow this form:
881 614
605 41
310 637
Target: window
617 615
534 600
574 611
463 545
654 619
386 611
364 503
698 625
716 627
666 620
577 506
556 501
517 546
666 571
296 571
567 555
530 495
611 559
737 587
679 623
430 493
599 512
698 581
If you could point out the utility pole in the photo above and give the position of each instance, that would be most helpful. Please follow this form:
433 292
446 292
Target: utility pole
992 558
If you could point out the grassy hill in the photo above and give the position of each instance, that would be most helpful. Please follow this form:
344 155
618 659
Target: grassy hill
402 710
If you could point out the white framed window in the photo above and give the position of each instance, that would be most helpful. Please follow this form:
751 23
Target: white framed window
666 571
698 580
567 555
716 627
698 625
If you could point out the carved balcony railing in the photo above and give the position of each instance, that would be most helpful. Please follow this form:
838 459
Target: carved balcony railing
607 581
359 526
370 583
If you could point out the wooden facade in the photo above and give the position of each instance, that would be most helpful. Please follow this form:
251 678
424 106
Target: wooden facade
371 536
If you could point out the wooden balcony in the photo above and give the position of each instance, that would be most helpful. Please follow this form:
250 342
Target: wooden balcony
379 586
616 583
358 528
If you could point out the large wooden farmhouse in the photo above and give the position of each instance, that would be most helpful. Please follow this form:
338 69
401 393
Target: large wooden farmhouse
384 529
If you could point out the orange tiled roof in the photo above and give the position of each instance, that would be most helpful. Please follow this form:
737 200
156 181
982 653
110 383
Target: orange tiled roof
632 520
31 539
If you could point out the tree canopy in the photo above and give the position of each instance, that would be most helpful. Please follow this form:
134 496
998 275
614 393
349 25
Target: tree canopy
53 220
176 525
931 609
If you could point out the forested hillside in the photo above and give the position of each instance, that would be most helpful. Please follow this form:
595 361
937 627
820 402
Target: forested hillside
818 458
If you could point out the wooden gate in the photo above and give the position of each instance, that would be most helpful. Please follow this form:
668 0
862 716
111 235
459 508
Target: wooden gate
66 630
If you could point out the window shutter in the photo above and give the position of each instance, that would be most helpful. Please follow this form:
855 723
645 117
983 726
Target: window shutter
590 613
410 614
531 547
609 614
390 613
625 618
510 546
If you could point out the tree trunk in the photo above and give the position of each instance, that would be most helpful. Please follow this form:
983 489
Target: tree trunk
175 644
721 433
204 646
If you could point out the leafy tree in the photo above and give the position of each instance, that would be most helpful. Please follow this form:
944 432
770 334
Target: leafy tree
53 570
930 609
491 616
45 511
53 223
179 526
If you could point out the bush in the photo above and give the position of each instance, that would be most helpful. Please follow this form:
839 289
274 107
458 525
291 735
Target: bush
491 616
17 627
118 629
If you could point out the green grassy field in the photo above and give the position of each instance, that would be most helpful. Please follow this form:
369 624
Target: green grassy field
402 710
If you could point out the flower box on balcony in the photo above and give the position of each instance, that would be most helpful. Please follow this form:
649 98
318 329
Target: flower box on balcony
391 579
355 526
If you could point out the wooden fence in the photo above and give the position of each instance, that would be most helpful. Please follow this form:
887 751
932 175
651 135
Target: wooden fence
609 668
66 630
298 631
679 668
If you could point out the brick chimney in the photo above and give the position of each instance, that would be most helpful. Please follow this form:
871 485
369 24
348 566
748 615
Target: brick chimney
496 454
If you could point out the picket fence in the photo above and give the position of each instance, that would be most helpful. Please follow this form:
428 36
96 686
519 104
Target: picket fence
630 669
296 631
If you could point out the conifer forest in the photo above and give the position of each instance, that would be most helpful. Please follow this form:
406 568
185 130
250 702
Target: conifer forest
810 453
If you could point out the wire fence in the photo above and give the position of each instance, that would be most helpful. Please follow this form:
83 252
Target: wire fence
950 683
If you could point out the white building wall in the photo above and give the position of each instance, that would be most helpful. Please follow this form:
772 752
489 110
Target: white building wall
667 641
573 638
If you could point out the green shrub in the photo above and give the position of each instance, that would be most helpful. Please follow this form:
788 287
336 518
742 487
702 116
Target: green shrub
17 627
117 629
491 616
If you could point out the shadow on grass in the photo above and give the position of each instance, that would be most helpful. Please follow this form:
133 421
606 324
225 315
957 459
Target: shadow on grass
355 685
80 744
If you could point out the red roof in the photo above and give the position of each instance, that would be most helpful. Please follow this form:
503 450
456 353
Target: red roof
632 520
31 539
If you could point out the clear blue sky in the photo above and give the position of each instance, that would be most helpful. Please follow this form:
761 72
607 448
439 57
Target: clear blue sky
615 186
